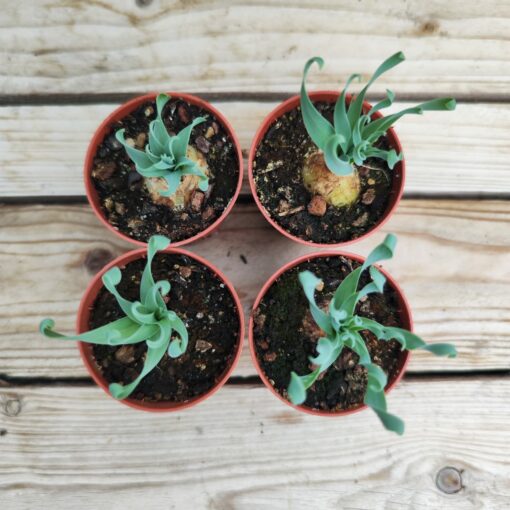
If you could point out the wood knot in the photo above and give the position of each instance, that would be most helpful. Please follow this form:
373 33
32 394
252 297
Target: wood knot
12 407
96 259
428 27
449 480
143 3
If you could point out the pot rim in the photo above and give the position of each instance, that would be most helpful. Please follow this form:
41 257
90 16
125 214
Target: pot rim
405 313
85 348
122 111
325 95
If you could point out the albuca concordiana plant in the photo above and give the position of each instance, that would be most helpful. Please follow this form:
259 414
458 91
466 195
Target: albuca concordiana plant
147 320
342 327
165 156
353 136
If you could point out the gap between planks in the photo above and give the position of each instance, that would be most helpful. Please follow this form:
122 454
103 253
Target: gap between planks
69 99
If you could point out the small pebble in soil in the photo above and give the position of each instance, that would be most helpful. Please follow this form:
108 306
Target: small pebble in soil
369 196
263 345
202 144
361 220
125 354
183 114
120 208
202 345
317 206
140 140
208 213
270 356
104 170
197 200
185 271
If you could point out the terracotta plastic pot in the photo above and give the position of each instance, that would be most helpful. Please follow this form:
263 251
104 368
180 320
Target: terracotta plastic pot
405 316
121 112
327 96
82 325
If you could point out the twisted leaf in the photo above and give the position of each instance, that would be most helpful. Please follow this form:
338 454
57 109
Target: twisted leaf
317 126
342 329
309 282
351 140
146 320
356 106
165 156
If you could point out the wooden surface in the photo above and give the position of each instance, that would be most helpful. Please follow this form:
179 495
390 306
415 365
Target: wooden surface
81 450
218 45
64 444
58 247
42 147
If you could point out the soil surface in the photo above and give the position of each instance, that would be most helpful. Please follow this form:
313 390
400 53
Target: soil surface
207 308
277 170
126 203
285 335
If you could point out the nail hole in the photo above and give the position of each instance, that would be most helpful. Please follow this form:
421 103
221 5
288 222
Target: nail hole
449 480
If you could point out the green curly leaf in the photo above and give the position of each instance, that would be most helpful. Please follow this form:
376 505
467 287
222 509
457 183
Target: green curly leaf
309 282
316 125
165 156
343 329
146 320
340 119
350 141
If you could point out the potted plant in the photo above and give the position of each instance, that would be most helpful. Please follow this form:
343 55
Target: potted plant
163 165
326 168
158 331
342 351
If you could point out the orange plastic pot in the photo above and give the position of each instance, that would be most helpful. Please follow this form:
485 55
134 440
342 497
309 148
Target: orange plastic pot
327 96
121 112
405 317
82 325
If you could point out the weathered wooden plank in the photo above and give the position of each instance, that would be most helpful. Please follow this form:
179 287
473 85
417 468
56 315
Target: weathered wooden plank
458 46
42 148
244 449
453 262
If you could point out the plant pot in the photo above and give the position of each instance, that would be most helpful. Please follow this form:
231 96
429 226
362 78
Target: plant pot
294 226
96 291
256 340
111 180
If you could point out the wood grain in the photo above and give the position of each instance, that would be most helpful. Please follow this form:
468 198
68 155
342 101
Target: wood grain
465 152
453 261
456 47
245 450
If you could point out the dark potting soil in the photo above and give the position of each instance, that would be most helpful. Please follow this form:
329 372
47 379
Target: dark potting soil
277 170
286 335
207 308
124 199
